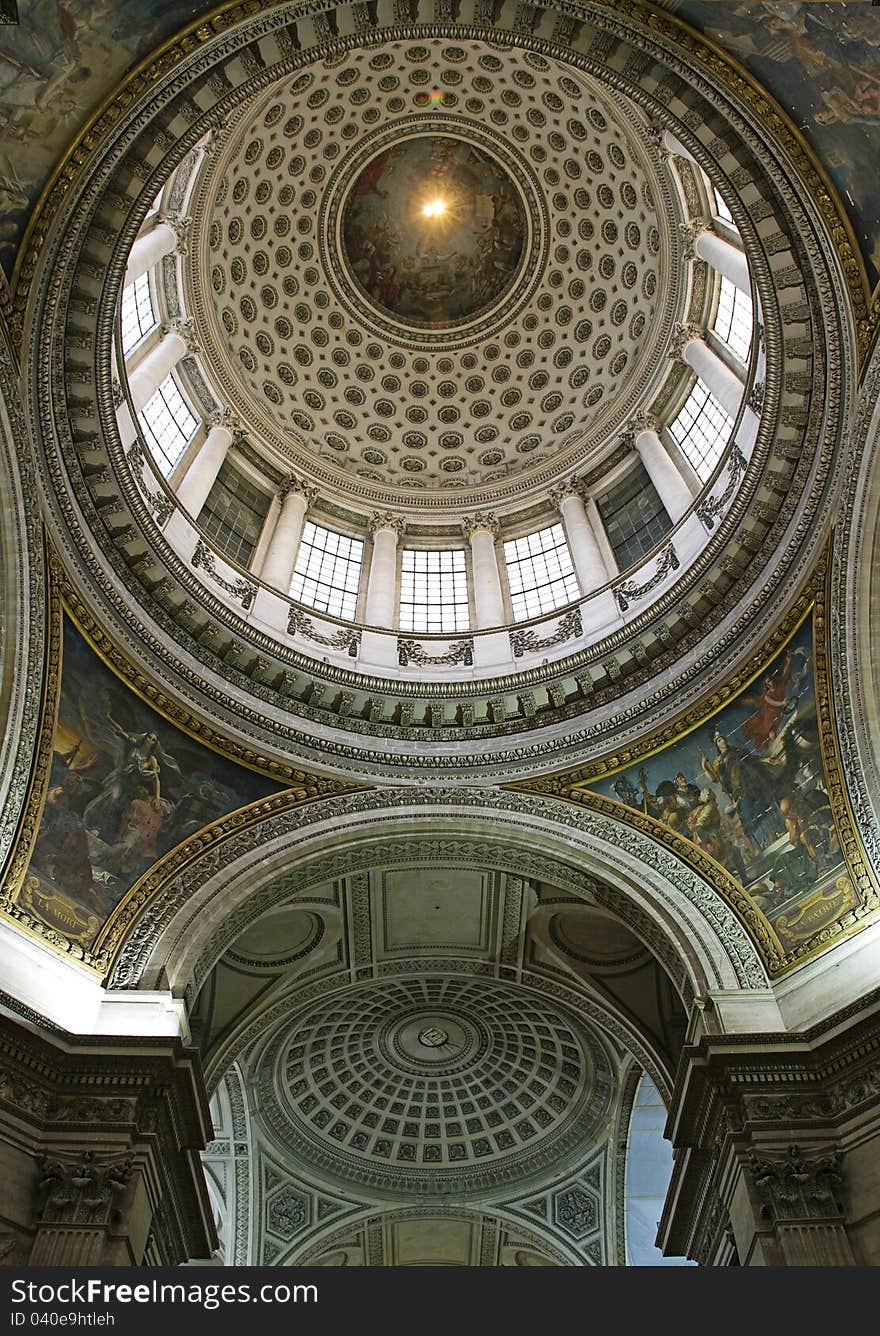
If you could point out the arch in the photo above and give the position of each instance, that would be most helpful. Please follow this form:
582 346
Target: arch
24 617
177 934
854 632
327 1247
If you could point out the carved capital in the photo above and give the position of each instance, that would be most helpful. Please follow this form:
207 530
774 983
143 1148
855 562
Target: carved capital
571 487
221 417
481 519
643 421
185 330
82 1190
681 336
798 1187
180 227
690 234
384 519
294 484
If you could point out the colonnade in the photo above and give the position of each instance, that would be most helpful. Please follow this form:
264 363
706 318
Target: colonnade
591 552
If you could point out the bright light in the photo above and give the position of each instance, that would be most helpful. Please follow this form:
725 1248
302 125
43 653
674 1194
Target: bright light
435 208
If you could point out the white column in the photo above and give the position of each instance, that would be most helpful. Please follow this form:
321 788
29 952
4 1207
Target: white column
586 553
381 605
148 250
724 257
599 533
156 366
662 470
716 375
281 554
488 598
202 472
673 145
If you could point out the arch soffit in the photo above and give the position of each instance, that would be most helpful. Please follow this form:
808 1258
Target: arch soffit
28 651
855 598
176 933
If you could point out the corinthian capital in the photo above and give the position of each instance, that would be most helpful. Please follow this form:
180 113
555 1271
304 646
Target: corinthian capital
690 234
557 494
643 421
481 519
294 484
681 336
222 417
384 519
183 329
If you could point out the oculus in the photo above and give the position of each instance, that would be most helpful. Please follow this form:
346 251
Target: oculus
433 231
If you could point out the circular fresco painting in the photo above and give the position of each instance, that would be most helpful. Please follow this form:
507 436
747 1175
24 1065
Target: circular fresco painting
433 230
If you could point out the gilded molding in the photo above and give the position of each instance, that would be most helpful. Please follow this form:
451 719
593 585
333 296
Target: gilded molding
565 784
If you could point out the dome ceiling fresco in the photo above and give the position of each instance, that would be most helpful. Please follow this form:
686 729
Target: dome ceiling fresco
326 300
433 230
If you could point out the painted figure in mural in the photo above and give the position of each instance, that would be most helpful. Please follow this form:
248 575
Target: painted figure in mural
62 847
433 229
139 766
672 802
777 697
746 785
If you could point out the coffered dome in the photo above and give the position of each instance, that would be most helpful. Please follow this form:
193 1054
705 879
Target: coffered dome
435 1085
480 350
352 485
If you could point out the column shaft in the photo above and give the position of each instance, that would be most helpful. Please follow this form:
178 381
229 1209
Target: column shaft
727 259
675 146
612 570
155 367
202 472
724 384
586 553
148 250
382 580
660 468
488 598
283 546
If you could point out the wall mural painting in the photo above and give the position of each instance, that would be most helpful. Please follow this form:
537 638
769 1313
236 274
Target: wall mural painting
56 65
821 61
749 788
125 787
